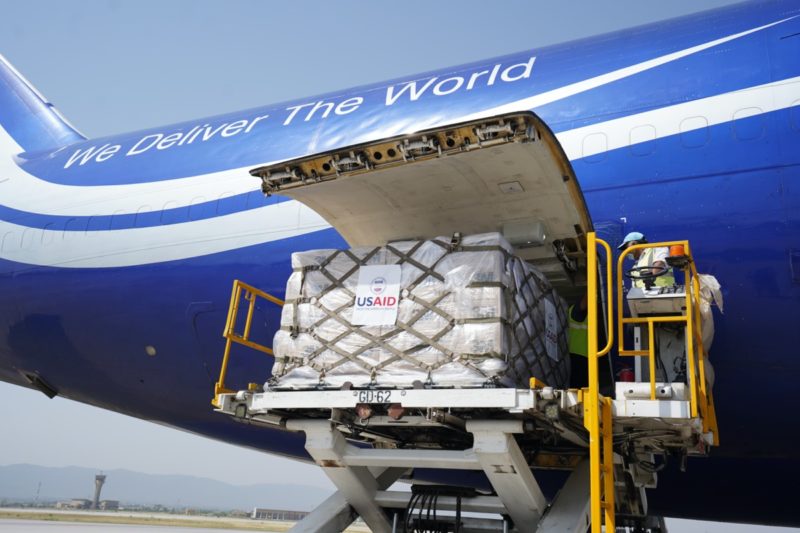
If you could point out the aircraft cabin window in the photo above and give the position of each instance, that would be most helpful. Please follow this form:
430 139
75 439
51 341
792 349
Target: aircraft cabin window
694 132
119 220
256 199
231 203
197 208
9 242
98 223
749 124
28 238
140 219
171 214
48 234
73 227
595 146
642 140
224 203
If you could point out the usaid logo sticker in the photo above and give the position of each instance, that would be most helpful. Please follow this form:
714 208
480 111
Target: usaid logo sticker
378 285
377 295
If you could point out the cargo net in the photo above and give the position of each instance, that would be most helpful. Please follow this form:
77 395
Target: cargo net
470 314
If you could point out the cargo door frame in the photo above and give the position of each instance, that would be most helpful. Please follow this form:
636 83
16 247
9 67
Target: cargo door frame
506 173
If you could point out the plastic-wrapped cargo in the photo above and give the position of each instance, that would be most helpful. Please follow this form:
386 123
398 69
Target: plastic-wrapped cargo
468 314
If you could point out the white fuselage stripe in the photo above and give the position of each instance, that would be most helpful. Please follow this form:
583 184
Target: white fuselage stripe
136 246
554 95
24 192
680 118
164 243
140 246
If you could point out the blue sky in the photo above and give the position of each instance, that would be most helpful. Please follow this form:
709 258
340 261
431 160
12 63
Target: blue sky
112 66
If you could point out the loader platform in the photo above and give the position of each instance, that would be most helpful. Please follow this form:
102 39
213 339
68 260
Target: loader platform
612 446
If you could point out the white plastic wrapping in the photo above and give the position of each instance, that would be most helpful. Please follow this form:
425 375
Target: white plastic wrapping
710 292
468 316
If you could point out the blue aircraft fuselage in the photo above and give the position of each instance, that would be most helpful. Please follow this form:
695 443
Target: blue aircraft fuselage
117 254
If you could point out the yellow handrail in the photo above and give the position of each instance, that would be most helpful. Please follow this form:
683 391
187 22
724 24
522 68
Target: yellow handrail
609 302
250 295
701 403
608 465
597 408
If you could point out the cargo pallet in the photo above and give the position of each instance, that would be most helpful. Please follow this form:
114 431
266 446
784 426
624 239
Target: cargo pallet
367 439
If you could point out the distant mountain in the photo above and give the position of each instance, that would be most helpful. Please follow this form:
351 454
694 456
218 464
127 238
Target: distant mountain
19 483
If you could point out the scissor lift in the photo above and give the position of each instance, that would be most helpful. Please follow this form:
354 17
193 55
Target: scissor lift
365 440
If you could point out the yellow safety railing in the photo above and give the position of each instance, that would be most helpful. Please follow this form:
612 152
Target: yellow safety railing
251 294
598 418
701 402
597 409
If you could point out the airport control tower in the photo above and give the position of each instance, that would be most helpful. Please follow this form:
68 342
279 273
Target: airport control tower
99 479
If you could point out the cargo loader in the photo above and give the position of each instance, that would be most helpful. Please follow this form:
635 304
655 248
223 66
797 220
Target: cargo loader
376 423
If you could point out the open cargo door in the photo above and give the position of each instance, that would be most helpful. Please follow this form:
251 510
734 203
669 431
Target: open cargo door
506 174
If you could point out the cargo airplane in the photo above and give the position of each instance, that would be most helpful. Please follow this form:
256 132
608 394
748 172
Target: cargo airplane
117 254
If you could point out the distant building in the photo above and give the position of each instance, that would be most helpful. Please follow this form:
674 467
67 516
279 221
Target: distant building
75 503
99 479
277 514
108 505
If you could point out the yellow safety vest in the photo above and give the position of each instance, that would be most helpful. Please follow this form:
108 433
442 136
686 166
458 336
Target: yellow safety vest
578 335
646 260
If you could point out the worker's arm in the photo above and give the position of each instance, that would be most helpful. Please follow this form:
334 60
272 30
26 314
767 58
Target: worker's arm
658 267
659 264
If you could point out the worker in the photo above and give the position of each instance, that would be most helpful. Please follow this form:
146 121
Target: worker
578 344
650 262
578 335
